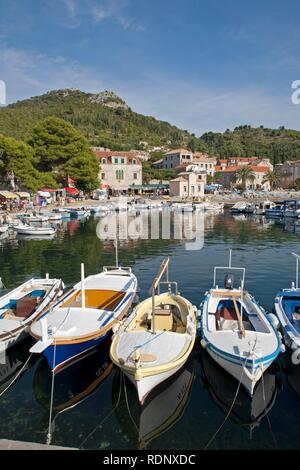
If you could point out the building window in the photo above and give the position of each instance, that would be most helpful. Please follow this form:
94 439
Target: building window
122 160
103 176
193 189
184 189
119 174
135 176
103 160
134 161
199 188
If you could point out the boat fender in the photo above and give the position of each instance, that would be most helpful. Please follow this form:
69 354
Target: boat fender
282 348
116 327
203 343
273 320
190 329
198 314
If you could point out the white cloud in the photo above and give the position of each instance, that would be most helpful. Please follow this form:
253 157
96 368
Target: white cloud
101 10
198 108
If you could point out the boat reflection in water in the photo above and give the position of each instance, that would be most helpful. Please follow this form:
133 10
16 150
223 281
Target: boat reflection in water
162 409
73 384
12 361
247 411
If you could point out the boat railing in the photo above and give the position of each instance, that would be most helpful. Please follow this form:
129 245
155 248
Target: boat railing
169 284
120 268
229 268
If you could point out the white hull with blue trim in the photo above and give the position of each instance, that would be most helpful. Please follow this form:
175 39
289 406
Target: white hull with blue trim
85 316
238 334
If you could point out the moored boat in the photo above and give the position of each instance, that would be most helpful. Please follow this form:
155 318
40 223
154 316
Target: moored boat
287 309
27 229
236 331
261 207
157 338
21 306
85 316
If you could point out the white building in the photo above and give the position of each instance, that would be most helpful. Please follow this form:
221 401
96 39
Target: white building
119 170
188 185
173 158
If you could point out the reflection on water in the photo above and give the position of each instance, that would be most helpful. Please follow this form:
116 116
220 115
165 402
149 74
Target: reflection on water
184 413
246 411
162 409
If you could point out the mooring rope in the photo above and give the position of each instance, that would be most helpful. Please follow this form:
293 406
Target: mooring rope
18 375
228 413
49 434
127 404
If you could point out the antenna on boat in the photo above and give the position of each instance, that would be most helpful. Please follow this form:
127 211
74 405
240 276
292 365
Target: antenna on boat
297 269
82 286
230 257
116 245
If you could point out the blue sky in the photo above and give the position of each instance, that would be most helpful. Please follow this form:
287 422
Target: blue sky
202 65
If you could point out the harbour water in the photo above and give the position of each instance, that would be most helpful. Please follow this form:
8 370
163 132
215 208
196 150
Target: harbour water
94 407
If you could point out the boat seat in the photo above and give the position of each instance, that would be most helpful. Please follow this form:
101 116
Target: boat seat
163 319
26 306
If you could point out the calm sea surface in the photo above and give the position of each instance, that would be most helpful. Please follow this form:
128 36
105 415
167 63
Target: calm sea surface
94 407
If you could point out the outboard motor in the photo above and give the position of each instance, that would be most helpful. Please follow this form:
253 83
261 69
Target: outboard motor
228 281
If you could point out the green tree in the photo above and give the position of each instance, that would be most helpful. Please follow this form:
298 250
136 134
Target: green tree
271 177
84 170
55 142
245 174
19 158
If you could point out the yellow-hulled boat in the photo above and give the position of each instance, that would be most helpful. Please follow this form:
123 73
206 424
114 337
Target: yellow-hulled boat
157 338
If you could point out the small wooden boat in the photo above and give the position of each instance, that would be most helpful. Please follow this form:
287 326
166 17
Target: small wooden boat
21 306
64 213
52 216
157 338
276 210
25 229
236 331
287 309
85 316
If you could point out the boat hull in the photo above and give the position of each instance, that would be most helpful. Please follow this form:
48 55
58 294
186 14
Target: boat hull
248 378
147 384
61 355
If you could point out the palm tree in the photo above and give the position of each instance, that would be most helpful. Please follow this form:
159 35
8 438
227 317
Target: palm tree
245 174
271 177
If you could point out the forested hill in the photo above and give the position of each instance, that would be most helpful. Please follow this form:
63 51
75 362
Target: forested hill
277 144
104 118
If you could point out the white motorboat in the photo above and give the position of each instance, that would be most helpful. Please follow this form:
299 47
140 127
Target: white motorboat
32 218
35 231
236 331
157 338
262 207
213 206
21 306
52 216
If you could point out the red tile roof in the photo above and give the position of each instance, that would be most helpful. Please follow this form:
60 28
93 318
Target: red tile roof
111 153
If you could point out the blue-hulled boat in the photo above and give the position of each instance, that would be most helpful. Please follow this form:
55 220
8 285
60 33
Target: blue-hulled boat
287 309
291 208
85 316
